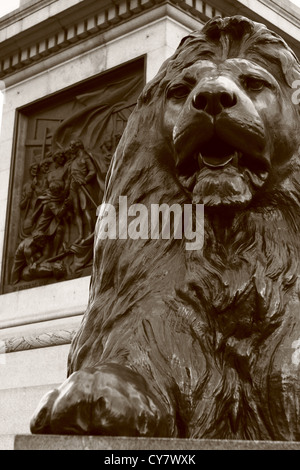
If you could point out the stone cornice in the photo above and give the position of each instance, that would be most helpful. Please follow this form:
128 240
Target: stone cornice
79 20
286 9
77 24
283 9
43 29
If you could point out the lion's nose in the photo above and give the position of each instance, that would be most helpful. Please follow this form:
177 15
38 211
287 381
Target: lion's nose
214 101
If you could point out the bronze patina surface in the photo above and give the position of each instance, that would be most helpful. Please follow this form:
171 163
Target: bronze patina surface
200 343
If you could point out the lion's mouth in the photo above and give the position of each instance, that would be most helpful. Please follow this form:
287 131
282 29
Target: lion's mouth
216 154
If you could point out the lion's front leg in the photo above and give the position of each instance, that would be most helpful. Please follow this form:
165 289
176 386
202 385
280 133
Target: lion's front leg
108 400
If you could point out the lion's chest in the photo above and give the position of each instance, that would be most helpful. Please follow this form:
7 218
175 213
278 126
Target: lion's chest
232 298
234 294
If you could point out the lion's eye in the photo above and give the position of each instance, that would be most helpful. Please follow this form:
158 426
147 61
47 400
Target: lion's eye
253 83
178 92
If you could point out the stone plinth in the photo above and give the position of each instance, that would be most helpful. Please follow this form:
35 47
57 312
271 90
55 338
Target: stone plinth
55 442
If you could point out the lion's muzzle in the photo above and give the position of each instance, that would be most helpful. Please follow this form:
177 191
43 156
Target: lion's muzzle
214 95
217 120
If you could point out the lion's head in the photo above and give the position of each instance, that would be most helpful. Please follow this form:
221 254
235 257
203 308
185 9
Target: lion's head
229 125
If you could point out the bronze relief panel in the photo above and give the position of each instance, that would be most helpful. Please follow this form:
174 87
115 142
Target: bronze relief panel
63 147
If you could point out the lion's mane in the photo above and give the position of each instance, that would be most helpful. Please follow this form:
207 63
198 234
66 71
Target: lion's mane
208 329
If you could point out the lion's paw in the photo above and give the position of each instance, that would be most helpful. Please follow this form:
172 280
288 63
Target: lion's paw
109 400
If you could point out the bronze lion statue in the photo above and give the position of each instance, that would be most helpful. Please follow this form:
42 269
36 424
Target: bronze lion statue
201 343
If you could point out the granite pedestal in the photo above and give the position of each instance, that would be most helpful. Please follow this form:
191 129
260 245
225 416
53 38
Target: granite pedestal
64 442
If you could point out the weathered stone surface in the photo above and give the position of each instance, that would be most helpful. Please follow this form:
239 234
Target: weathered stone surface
7 442
55 442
